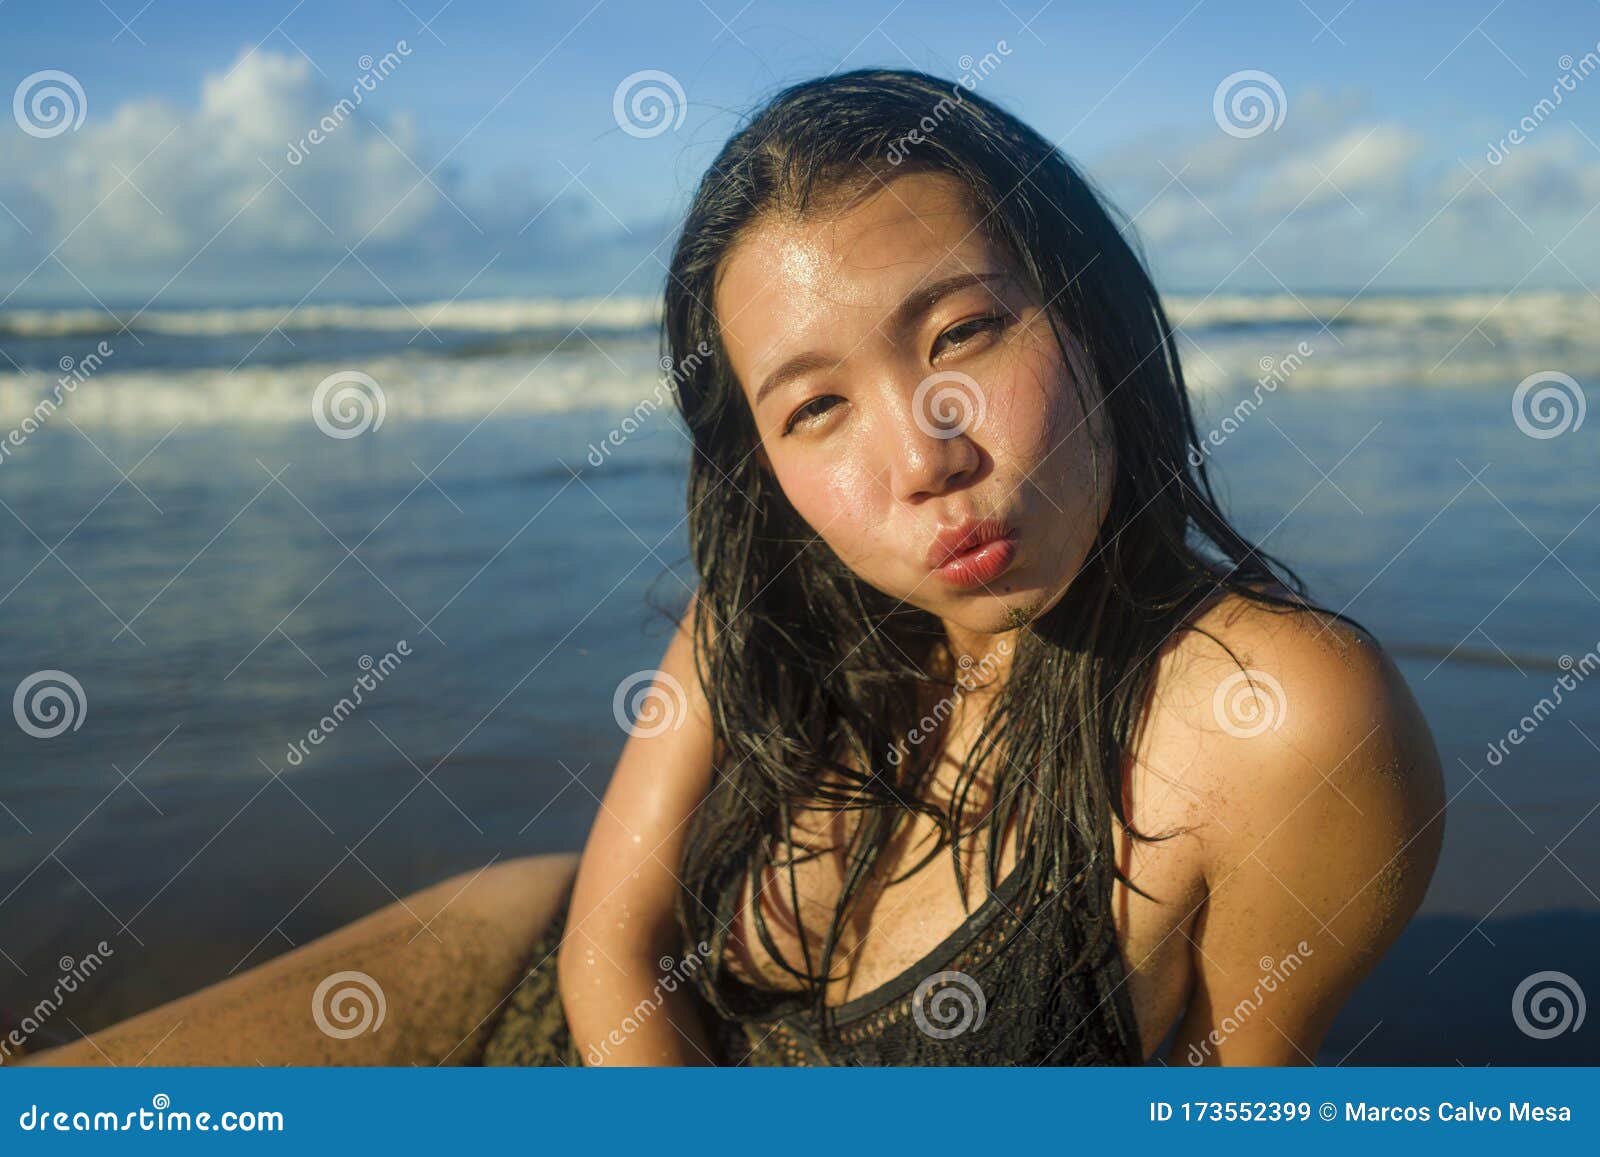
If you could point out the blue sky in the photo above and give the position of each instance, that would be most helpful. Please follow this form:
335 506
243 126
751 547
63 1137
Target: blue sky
1378 173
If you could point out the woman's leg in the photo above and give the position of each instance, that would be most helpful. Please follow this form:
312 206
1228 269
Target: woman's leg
440 988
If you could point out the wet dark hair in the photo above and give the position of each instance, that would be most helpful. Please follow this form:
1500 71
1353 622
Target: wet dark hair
813 676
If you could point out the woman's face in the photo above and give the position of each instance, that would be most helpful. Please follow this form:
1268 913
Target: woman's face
907 387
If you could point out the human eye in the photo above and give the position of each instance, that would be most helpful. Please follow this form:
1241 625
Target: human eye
810 412
966 332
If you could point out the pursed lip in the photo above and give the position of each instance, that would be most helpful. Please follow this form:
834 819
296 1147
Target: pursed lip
963 537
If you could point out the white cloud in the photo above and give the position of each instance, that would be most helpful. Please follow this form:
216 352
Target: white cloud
1393 205
208 175
155 191
1371 160
1556 169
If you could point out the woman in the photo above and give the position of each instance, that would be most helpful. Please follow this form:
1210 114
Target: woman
997 744
929 333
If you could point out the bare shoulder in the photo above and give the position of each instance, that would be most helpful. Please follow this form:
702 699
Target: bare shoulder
1296 695
1317 799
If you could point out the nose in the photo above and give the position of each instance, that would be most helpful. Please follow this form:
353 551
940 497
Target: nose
934 451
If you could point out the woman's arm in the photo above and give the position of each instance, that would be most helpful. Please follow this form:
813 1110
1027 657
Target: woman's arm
626 993
1327 831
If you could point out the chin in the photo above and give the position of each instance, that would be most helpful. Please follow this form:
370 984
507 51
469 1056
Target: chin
992 614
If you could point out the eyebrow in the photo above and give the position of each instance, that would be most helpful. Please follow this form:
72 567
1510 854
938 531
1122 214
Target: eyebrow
919 302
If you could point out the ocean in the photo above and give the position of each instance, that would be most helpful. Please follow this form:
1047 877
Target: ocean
216 556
